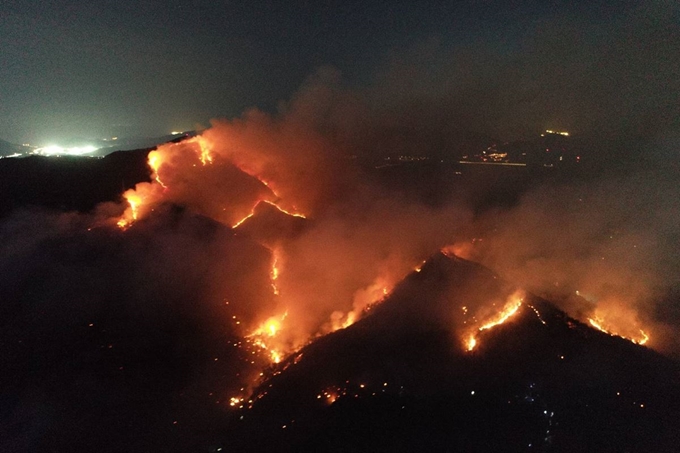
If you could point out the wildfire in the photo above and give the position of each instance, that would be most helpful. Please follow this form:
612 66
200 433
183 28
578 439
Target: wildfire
599 325
509 310
271 340
271 203
264 337
364 300
274 274
132 212
204 150
240 222
154 164
471 343
292 214
460 249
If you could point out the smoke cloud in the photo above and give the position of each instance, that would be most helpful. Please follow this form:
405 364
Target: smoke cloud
191 272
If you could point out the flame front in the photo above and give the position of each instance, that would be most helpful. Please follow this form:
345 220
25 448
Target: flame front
131 214
290 213
154 164
599 325
274 274
509 310
252 212
169 165
204 150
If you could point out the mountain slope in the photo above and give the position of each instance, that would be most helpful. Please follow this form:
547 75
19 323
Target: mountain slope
402 380
8 149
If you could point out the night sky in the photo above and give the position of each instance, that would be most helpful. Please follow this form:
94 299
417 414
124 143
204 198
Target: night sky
102 68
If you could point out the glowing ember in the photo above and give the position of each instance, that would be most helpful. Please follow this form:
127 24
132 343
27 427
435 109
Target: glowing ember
538 314
599 325
329 395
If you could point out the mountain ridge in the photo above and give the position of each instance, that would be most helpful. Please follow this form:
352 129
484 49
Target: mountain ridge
540 359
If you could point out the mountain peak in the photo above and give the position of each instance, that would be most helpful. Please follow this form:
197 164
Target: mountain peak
540 372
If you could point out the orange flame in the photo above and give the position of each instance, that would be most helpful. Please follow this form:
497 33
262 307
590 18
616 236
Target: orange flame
154 164
274 274
204 149
293 214
132 212
271 203
240 222
599 325
509 310
265 337
364 299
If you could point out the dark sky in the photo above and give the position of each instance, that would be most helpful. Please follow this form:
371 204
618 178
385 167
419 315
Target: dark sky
102 68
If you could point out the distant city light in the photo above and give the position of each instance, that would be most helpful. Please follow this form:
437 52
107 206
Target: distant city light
55 150
566 134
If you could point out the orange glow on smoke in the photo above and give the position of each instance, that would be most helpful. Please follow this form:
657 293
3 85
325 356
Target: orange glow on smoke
509 310
364 299
176 172
599 325
165 163
459 249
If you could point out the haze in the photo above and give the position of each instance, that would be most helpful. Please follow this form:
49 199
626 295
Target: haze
102 69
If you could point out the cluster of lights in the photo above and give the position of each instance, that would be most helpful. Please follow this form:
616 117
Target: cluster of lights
54 150
563 133
332 394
